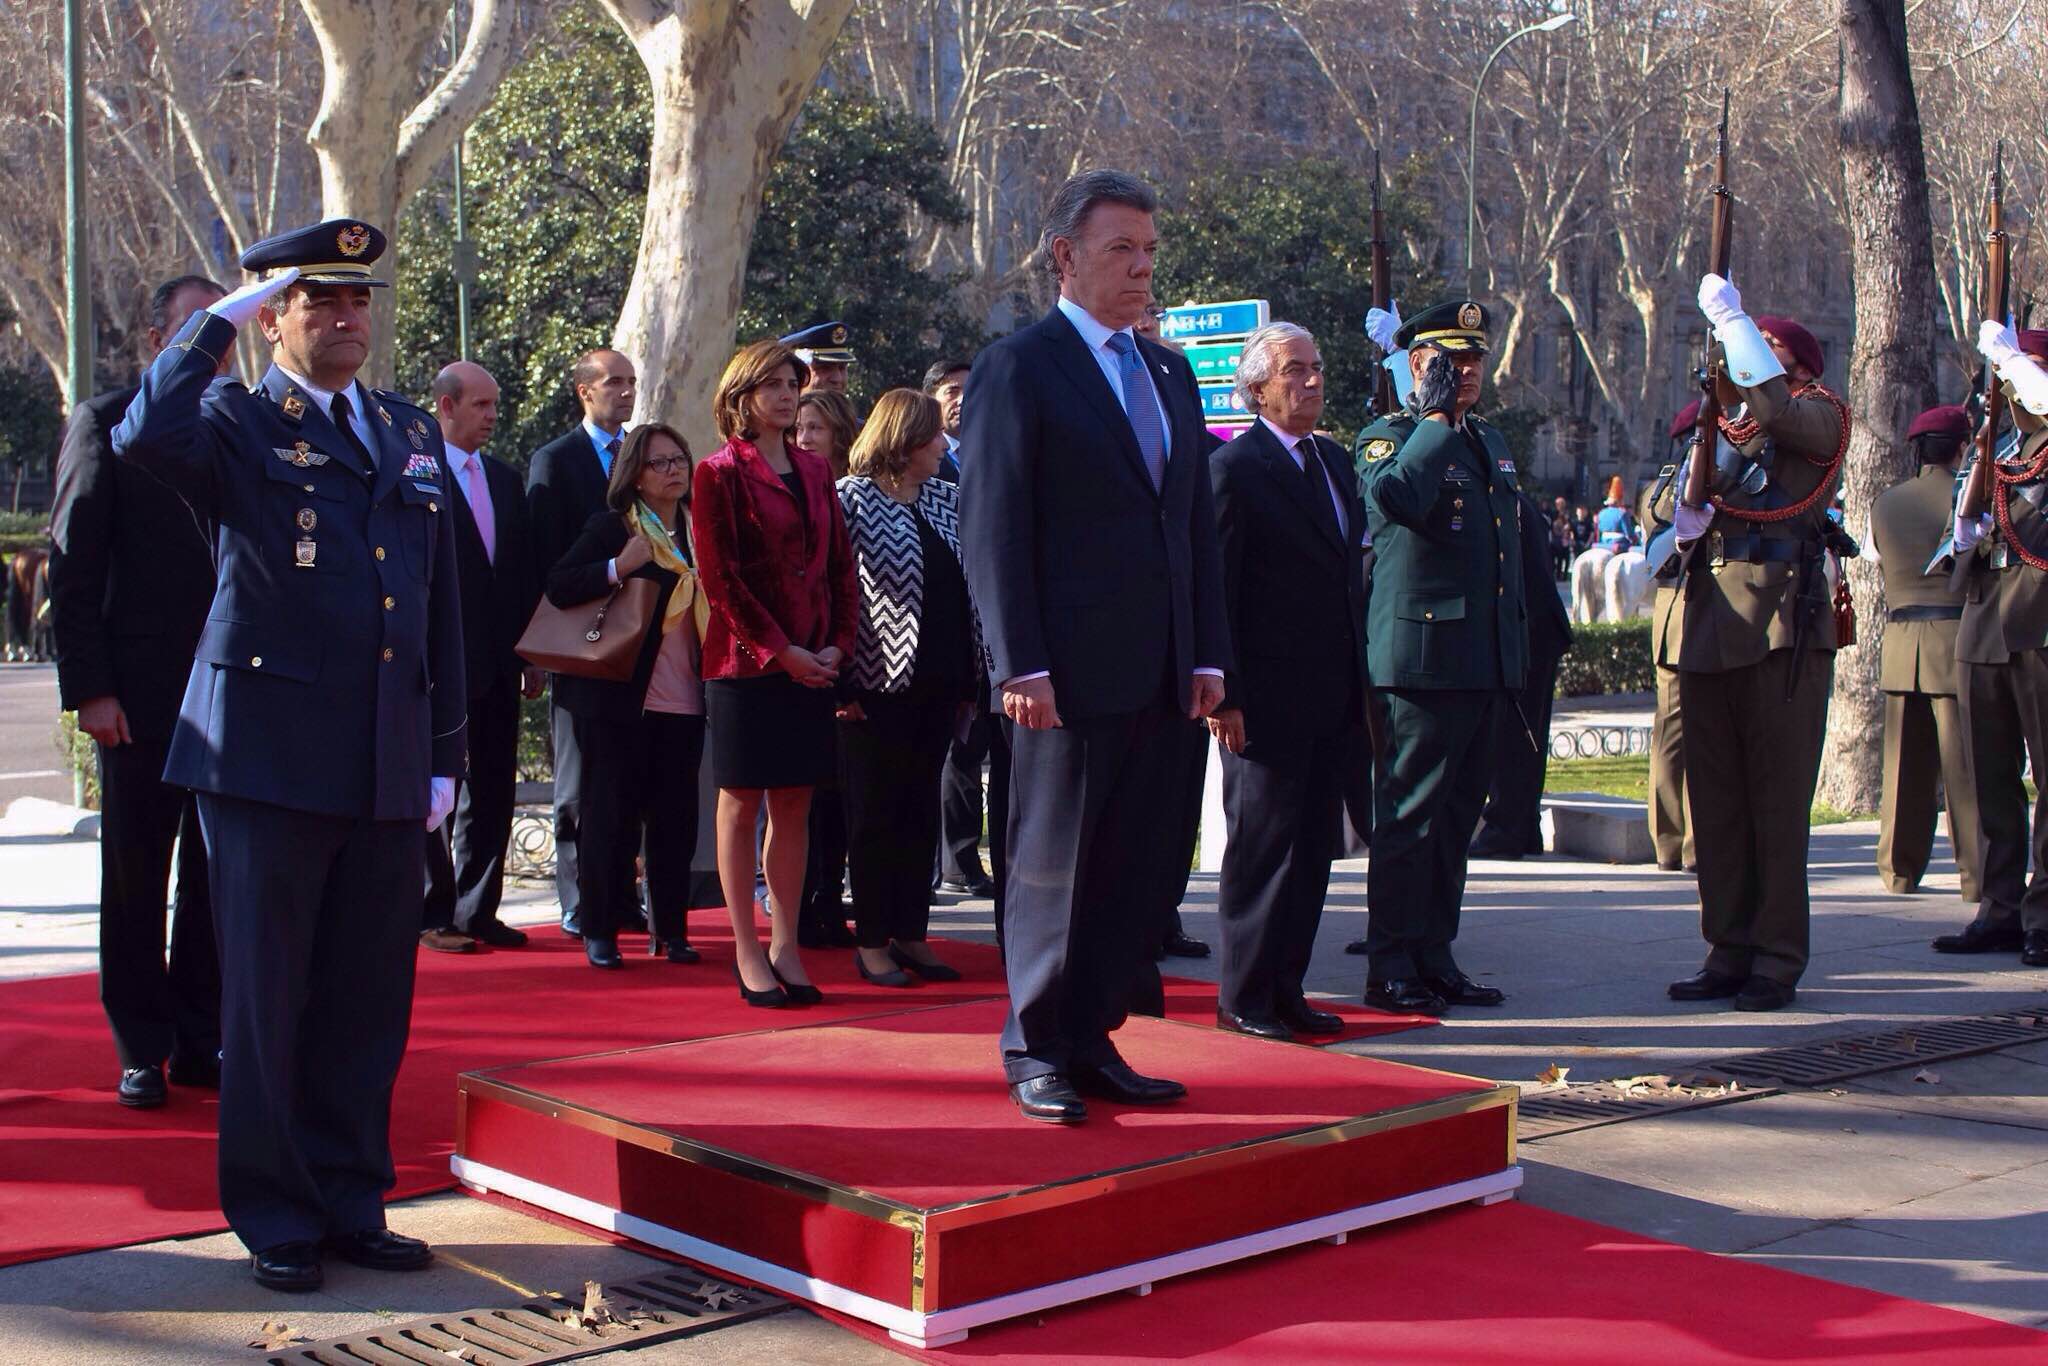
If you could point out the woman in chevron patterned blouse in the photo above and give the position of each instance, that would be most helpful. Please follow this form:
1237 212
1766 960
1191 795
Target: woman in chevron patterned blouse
909 683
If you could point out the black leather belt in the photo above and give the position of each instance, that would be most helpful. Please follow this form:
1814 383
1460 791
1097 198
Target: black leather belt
1757 549
1938 611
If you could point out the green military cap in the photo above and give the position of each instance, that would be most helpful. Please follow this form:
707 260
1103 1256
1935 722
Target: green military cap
1453 325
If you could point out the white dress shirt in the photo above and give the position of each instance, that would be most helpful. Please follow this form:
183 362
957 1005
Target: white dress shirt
358 403
1292 445
477 496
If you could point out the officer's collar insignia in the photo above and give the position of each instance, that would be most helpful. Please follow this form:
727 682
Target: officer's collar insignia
1469 316
1667 471
353 240
420 465
416 432
1378 450
294 406
384 413
301 455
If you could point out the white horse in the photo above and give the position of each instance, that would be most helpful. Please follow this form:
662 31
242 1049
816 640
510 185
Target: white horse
1588 584
1627 577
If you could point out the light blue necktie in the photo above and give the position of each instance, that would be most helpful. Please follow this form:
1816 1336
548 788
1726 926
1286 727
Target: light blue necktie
1139 407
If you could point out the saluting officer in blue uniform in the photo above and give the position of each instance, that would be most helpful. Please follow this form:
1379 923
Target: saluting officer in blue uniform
322 730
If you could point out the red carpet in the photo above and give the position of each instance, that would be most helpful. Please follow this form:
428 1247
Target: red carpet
79 1172
1508 1285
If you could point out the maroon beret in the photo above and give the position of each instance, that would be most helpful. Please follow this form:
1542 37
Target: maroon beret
1800 342
2034 341
1947 420
1688 418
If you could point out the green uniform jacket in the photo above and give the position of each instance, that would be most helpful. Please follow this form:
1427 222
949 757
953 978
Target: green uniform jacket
1446 608
1731 612
1909 521
2005 607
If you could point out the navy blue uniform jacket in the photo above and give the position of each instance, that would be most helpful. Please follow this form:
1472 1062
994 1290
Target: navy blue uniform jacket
333 687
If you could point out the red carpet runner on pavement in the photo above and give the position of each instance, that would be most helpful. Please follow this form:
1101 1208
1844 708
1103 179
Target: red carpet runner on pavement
79 1172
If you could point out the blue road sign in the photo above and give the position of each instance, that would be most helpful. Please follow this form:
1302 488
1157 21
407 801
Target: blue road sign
1207 322
1221 403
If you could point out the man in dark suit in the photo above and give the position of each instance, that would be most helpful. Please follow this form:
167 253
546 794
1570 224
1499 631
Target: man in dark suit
1290 521
322 729
131 577
565 483
500 585
1512 824
1090 547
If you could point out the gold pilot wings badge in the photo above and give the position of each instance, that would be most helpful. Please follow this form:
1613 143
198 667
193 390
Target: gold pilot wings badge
301 455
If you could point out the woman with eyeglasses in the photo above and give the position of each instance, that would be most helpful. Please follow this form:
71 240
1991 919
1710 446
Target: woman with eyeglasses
642 739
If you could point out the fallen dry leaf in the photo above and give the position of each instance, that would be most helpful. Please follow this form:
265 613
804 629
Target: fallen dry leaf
715 1296
597 1310
1909 1042
1928 1075
1553 1075
276 1334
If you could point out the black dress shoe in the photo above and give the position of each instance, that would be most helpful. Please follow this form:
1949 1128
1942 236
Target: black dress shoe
799 993
1257 1028
1050 1098
1460 990
1404 996
931 972
1179 945
380 1249
1494 848
290 1267
1303 1018
679 952
2034 951
1357 948
894 977
1116 1081
201 1074
1976 938
142 1088
1761 993
774 998
602 953
973 886
498 935
1705 985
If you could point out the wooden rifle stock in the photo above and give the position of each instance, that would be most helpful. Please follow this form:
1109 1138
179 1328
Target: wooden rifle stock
1382 286
1993 305
1707 431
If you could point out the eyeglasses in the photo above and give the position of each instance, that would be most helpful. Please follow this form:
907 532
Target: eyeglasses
662 464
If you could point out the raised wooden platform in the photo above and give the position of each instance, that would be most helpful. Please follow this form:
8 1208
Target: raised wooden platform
877 1166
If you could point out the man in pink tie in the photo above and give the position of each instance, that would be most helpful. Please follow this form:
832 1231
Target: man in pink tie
500 583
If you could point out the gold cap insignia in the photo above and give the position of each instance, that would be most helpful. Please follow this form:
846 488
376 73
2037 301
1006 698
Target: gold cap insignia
1378 450
294 406
839 336
353 240
1469 315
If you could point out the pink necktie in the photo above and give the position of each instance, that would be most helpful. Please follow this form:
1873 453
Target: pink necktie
479 506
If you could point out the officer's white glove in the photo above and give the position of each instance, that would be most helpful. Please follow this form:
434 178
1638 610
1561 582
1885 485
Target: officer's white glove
1971 530
2000 346
1720 300
239 307
1382 323
440 801
1691 523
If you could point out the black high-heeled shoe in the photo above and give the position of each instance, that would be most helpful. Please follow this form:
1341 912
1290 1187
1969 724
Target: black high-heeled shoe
931 972
774 998
799 993
894 977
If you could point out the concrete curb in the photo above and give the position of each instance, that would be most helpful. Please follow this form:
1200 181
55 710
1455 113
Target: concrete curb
54 820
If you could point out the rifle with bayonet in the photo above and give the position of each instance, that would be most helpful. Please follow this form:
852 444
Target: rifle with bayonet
1993 304
1707 431
1382 287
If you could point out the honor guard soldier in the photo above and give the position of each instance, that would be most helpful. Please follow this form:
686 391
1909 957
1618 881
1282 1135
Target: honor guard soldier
322 729
1924 736
1670 826
1447 644
2002 562
1753 641
822 346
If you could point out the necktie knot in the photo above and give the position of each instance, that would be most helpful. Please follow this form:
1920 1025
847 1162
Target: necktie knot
1121 343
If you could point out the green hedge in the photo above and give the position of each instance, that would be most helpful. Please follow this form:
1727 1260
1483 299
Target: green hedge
1608 657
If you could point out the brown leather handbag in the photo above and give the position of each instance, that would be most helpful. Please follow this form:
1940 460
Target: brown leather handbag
596 639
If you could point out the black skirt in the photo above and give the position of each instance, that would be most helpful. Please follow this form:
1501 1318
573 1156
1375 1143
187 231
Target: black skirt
769 731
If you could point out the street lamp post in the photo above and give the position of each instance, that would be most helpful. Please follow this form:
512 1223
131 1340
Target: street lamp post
1550 25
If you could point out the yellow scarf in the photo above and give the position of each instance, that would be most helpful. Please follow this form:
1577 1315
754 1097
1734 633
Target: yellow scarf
687 597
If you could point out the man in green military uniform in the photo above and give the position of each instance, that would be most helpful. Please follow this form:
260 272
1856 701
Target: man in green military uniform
2002 642
1447 644
1753 641
1924 737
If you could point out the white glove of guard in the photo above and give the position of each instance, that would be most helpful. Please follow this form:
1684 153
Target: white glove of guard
440 801
1382 323
1969 531
239 307
1720 300
2000 345
1690 522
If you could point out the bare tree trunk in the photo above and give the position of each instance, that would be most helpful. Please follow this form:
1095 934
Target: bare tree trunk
1891 364
728 80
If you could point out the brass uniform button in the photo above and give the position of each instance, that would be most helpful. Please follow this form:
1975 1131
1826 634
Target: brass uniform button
390 603
387 654
1429 616
378 552
433 506
255 661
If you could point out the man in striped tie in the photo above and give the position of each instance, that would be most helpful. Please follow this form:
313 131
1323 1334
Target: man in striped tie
1090 547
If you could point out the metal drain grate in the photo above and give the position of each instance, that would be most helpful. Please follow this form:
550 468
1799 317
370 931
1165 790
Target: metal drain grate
1816 1064
654 1308
1597 1103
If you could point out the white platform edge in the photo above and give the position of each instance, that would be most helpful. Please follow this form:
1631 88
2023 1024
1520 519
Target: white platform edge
948 1326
